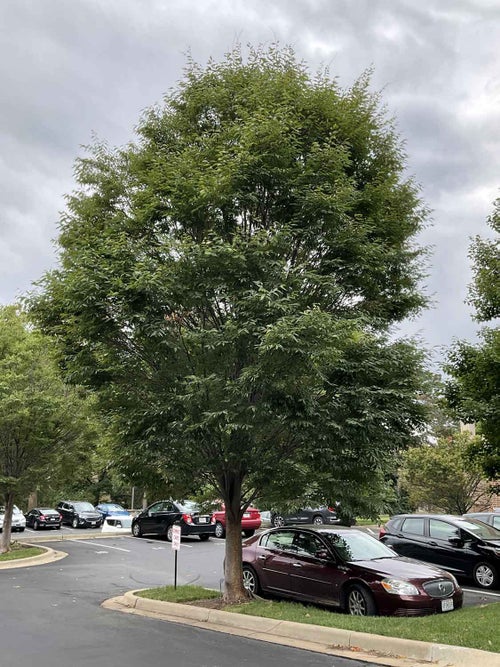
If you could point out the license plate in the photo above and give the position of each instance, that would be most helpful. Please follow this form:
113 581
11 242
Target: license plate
202 519
246 515
93 523
446 605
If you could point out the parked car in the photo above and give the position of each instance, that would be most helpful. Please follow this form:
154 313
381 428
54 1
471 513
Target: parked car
312 515
491 518
114 515
159 518
79 514
250 521
464 546
347 569
43 517
18 520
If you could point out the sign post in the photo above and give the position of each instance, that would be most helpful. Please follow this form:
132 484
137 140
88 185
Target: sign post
176 545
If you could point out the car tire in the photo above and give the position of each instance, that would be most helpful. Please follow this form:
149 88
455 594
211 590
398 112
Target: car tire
248 533
21 530
484 575
36 525
169 533
136 530
278 521
318 520
204 538
360 602
220 531
74 523
58 527
251 580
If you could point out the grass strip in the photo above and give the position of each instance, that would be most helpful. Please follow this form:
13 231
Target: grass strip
19 551
471 627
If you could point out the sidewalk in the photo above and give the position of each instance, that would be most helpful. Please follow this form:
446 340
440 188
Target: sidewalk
390 651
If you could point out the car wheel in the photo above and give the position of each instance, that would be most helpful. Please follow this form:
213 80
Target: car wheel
136 530
278 521
484 575
170 532
21 530
58 527
36 525
318 520
248 533
360 602
250 580
219 530
204 538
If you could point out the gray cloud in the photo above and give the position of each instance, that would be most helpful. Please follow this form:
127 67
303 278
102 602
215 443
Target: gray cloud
70 69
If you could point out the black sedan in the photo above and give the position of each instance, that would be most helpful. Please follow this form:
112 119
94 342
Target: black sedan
43 517
347 569
306 515
464 546
159 518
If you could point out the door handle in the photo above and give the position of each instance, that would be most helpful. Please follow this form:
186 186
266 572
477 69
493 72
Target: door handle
297 565
433 544
262 557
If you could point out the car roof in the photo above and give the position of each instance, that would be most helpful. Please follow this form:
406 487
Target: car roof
317 528
449 517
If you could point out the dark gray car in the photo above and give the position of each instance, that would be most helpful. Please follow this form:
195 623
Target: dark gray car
79 514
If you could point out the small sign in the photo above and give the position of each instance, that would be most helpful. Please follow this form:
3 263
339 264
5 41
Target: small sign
176 537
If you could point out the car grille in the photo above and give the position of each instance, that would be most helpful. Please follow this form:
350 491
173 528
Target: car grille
441 588
422 611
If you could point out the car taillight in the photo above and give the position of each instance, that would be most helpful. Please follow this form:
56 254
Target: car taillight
382 531
42 517
332 509
187 518
60 516
213 519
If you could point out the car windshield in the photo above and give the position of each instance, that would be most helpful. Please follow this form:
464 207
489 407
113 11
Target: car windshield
113 507
356 545
188 506
480 529
15 509
84 507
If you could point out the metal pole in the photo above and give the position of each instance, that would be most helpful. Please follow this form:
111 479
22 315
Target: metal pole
175 570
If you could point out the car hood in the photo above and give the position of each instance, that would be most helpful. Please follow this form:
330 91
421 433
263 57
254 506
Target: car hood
87 514
400 567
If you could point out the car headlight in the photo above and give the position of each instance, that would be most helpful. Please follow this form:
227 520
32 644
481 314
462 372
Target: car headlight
455 582
399 587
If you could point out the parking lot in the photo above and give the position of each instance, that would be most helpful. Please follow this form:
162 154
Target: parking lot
152 560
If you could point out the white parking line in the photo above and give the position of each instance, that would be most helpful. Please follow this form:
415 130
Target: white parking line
91 543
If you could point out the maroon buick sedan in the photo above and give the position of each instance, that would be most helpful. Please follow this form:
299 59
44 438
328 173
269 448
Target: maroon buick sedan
345 568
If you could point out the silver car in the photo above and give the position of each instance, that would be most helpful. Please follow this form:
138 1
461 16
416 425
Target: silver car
18 519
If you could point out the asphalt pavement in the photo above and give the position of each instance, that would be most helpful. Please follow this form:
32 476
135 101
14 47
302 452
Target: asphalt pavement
51 615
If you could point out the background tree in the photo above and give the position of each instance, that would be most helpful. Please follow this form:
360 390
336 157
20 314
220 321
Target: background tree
474 390
228 282
40 417
441 478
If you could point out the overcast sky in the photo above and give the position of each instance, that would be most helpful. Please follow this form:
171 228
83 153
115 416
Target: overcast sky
70 69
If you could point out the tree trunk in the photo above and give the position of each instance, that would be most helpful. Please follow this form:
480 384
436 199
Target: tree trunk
7 523
234 591
33 500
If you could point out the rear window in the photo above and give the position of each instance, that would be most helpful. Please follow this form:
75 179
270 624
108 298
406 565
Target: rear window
84 507
414 526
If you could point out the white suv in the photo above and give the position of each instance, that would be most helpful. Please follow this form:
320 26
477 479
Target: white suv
18 519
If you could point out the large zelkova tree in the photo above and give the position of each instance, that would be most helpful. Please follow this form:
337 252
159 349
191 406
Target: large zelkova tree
42 420
474 389
228 281
441 477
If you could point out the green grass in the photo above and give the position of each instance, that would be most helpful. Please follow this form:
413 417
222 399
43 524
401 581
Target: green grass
180 594
20 551
473 627
360 521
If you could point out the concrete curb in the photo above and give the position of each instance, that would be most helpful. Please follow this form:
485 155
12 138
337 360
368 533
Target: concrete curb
50 556
389 650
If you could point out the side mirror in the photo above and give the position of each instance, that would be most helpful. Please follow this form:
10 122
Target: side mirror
455 542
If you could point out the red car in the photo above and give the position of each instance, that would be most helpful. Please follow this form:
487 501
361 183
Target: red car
250 521
347 569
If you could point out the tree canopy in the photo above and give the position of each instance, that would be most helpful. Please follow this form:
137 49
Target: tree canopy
441 477
474 389
42 420
228 281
